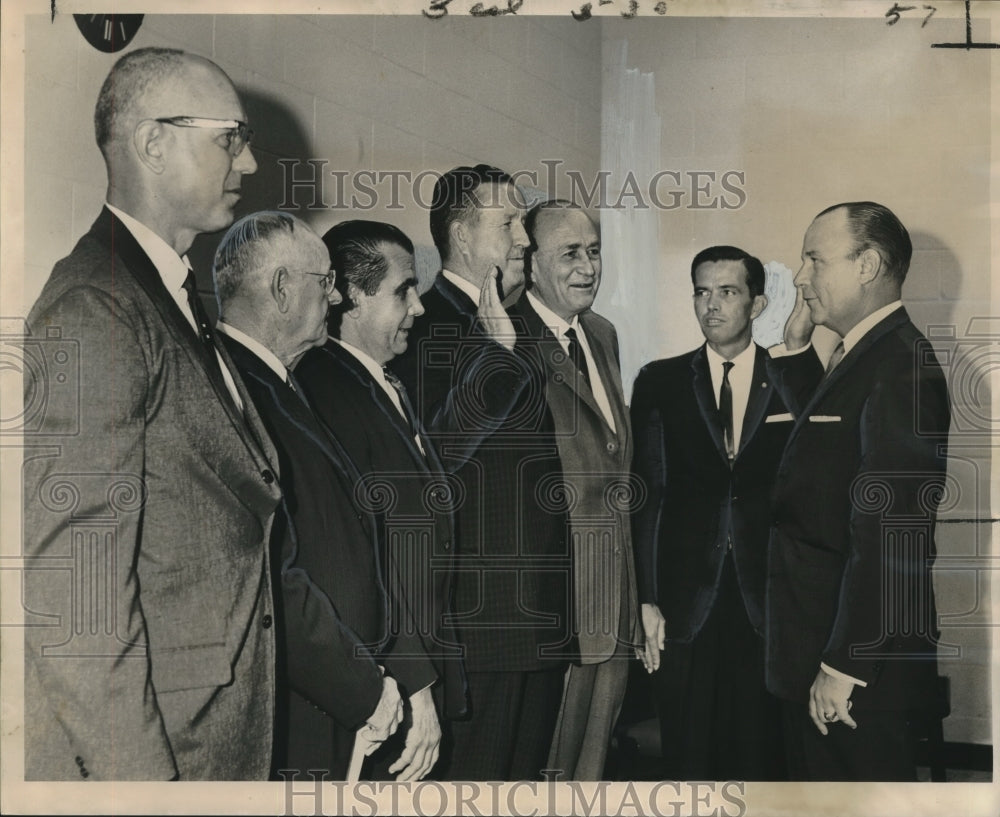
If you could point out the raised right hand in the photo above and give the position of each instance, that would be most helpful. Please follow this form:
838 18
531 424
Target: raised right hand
493 318
799 326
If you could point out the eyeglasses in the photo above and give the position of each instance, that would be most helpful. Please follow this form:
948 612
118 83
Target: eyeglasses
328 278
238 134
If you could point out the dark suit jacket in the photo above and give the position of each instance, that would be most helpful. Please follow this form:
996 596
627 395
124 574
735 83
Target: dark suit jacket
149 502
853 537
413 494
695 502
484 408
596 466
334 602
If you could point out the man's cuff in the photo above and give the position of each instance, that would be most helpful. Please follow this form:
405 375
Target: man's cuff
843 676
780 350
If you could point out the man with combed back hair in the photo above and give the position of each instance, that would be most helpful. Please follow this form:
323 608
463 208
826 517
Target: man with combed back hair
154 490
368 409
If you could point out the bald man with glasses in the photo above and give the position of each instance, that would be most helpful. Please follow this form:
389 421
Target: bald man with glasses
148 510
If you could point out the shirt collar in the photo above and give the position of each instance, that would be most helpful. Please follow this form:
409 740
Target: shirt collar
551 319
265 354
467 287
173 268
364 359
865 325
741 360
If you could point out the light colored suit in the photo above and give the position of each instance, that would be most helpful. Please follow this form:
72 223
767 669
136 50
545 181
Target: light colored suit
148 500
596 467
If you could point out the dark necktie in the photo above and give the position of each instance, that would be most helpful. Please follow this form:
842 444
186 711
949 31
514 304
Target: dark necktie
835 358
726 409
207 337
200 316
576 354
404 400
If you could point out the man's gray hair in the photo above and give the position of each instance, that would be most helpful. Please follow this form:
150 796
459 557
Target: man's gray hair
239 252
129 80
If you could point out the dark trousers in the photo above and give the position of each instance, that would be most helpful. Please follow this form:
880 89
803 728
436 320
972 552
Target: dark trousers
717 719
507 736
882 748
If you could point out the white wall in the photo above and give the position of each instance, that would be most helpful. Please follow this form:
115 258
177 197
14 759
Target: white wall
816 112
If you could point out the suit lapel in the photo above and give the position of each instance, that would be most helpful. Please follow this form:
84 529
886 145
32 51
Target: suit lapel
761 389
296 410
889 324
704 395
110 231
555 356
609 370
384 404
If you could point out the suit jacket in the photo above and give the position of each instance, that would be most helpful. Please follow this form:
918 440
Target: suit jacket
852 542
597 469
695 502
484 408
335 607
149 501
414 496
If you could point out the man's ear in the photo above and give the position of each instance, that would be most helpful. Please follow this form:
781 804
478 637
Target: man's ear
148 141
279 289
870 266
459 235
759 305
351 301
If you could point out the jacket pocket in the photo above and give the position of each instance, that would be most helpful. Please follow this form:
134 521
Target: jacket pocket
191 667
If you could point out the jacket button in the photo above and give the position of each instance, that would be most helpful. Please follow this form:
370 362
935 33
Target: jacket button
612 447
267 475
266 621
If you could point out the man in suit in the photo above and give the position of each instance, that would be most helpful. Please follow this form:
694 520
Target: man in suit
362 403
584 392
710 426
482 402
150 493
274 283
851 619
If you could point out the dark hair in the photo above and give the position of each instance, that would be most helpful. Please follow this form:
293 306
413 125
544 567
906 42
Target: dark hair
357 254
128 81
531 222
455 200
875 226
754 269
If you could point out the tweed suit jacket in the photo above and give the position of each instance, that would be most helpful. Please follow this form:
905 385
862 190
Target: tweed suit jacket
485 411
852 541
597 468
413 495
697 504
148 503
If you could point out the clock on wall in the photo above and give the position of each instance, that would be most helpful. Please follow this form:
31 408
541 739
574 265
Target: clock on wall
108 32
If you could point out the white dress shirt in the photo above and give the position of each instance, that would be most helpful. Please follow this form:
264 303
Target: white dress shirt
173 270
255 346
740 380
559 326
